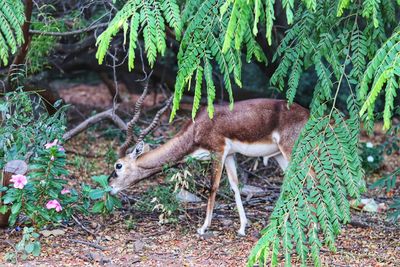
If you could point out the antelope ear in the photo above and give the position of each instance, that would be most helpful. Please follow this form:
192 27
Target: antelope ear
139 149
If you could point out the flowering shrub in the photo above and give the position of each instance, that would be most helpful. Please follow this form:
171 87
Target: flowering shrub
44 198
42 195
54 204
19 181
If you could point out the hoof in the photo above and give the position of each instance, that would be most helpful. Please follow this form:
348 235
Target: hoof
241 232
201 231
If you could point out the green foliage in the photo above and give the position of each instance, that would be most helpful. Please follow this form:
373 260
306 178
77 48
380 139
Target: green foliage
44 185
371 10
29 245
42 45
45 199
391 146
25 130
395 215
371 157
202 42
383 69
343 43
388 181
313 203
24 127
105 202
152 16
163 199
12 17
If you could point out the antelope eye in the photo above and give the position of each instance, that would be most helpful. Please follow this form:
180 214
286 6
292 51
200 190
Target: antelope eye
118 166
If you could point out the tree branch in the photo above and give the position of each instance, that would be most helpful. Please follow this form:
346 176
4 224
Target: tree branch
93 27
110 85
108 114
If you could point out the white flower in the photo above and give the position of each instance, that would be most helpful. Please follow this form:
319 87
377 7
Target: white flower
369 145
370 159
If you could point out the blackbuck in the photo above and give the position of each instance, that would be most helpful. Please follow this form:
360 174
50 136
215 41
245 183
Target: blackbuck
255 128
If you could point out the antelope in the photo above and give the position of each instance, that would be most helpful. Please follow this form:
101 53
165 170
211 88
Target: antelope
255 128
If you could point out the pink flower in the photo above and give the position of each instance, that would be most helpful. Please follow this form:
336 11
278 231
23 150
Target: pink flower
54 204
52 158
65 191
19 180
61 148
51 144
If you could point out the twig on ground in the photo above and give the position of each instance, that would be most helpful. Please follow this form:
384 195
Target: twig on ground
86 155
83 227
88 244
360 224
258 176
208 188
252 202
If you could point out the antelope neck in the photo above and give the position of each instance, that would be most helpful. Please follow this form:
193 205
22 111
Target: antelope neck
169 153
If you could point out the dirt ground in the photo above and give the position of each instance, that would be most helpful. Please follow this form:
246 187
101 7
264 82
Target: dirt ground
132 238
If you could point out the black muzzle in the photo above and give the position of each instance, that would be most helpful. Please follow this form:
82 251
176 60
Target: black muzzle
112 175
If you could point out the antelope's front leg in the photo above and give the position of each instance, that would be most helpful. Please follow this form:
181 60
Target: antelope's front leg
215 180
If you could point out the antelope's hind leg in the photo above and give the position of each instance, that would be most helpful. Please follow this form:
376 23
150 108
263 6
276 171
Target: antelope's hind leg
283 163
230 166
218 164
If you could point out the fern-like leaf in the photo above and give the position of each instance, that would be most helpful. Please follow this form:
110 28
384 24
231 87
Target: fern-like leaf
210 88
135 20
204 41
12 18
371 10
313 201
172 15
384 68
359 54
197 91
151 15
269 19
104 40
342 5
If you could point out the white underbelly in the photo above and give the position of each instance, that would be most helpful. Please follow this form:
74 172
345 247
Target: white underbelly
252 149
247 149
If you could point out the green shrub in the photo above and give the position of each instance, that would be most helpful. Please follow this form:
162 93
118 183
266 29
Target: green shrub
371 156
24 126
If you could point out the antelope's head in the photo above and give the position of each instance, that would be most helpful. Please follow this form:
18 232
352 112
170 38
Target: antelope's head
127 170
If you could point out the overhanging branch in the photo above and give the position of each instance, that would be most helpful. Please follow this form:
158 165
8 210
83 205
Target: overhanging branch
88 29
